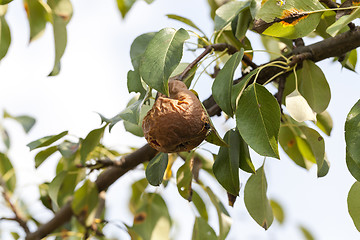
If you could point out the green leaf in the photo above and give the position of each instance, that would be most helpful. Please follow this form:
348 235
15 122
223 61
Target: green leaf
184 178
161 57
200 205
324 169
43 155
138 188
306 233
350 60
313 86
138 48
38 15
68 149
354 204
353 166
226 165
61 8
156 168
213 136
5 137
124 6
152 219
342 22
202 230
85 201
134 83
3 2
60 38
316 143
26 122
289 143
132 112
238 89
55 185
258 120
245 162
289 19
241 23
352 133
256 201
324 122
7 172
189 77
15 235
90 142
227 12
222 86
276 46
184 20
5 37
223 216
46 141
277 211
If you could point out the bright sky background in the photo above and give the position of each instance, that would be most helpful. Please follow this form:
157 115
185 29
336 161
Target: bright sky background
93 79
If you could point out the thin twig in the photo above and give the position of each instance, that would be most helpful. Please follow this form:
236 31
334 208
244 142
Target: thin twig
18 218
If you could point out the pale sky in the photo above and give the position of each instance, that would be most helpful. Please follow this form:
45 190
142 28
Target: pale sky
93 79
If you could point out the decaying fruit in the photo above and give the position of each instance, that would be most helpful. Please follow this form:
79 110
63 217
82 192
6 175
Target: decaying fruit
176 123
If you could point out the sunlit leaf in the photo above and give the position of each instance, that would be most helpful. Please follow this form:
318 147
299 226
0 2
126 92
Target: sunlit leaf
46 141
161 57
350 60
288 19
5 137
55 185
138 189
43 155
306 233
3 2
60 38
26 122
5 37
189 77
276 46
277 211
124 6
352 133
222 85
184 178
7 172
184 20
224 218
85 201
256 201
156 168
258 120
354 204
200 205
152 219
202 230
324 122
90 142
288 142
227 12
298 107
342 22
38 15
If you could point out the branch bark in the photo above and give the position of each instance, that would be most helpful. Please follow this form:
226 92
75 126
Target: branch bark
327 48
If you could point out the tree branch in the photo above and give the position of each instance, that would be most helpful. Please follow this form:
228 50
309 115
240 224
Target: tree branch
330 47
17 218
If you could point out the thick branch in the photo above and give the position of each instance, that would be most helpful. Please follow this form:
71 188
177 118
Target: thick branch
330 47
